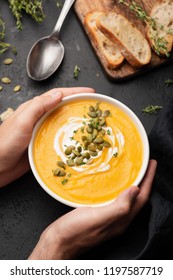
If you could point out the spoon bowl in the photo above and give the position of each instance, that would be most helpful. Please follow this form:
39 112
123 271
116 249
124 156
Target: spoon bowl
47 53
44 58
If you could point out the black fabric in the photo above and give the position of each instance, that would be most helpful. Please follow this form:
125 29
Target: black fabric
160 236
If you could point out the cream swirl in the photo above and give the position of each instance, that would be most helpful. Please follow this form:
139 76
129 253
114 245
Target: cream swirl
65 137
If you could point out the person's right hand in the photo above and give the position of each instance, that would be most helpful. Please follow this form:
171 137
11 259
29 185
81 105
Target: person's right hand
86 227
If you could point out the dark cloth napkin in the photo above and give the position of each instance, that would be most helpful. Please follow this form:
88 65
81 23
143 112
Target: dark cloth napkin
160 236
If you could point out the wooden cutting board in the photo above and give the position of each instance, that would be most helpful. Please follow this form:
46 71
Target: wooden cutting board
82 7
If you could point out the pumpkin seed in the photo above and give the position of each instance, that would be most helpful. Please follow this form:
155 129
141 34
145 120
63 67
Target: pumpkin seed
97 106
86 155
61 164
102 121
8 61
91 109
99 113
92 148
100 147
102 132
1 88
62 173
75 152
17 88
106 113
68 150
89 138
106 144
92 114
94 154
6 80
79 160
86 143
95 132
79 148
84 138
70 162
89 129
98 140
58 172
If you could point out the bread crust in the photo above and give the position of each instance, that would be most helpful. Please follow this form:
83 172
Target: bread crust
115 33
108 50
163 15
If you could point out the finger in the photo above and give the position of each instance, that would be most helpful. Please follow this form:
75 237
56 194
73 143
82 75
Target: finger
117 209
71 91
145 188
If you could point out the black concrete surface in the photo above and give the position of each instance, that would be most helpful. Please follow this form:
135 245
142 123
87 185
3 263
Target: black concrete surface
25 209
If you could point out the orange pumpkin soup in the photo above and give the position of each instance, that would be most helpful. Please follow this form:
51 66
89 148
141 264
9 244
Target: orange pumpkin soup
88 152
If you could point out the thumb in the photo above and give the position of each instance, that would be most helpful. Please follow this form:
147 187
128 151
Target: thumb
40 105
126 199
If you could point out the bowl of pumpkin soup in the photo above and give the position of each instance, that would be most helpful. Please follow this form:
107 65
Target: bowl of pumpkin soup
88 150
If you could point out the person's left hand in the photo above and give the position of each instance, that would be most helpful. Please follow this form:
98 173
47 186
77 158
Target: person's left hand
16 131
85 227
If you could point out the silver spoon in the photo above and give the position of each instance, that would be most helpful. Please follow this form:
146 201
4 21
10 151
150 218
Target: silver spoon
47 53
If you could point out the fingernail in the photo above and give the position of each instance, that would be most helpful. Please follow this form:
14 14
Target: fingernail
56 94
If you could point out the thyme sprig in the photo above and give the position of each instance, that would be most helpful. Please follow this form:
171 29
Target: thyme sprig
152 109
33 8
2 28
160 44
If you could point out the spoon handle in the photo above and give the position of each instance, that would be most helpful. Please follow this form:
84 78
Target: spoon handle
66 7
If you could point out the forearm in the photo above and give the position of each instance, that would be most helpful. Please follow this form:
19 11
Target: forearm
48 248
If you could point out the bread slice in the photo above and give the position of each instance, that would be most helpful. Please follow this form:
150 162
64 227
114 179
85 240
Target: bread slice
162 32
109 50
133 45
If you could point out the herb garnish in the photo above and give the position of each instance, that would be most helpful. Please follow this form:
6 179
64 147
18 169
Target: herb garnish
76 72
33 8
168 82
152 109
160 44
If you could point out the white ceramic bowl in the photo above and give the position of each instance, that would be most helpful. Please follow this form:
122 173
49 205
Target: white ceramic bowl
102 98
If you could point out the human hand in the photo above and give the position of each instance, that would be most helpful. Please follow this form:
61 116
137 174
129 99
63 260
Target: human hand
16 131
86 227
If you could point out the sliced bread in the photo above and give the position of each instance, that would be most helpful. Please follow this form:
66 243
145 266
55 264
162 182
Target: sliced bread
160 35
133 45
109 50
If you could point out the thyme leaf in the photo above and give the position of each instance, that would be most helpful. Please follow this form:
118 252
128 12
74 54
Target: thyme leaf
76 72
33 8
168 82
160 44
152 109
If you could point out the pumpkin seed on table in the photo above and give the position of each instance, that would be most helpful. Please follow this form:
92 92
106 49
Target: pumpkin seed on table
8 61
1 88
6 80
17 88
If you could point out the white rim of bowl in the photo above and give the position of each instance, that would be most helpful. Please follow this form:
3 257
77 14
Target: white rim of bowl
101 97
